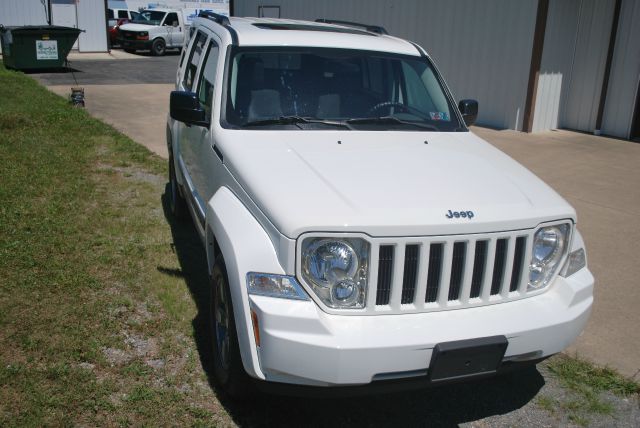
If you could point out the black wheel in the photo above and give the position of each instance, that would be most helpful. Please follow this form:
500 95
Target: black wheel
227 368
177 204
158 47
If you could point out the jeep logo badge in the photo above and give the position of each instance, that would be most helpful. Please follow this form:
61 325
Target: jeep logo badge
460 214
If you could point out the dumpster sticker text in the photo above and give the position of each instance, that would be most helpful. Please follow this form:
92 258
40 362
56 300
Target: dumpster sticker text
46 49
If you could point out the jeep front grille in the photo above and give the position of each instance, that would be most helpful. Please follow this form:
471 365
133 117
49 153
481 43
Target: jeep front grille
451 272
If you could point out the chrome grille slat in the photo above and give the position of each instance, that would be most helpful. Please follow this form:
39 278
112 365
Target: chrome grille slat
468 272
443 293
439 273
396 283
423 269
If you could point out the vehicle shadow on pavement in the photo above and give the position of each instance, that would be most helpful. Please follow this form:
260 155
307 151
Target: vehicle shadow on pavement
442 406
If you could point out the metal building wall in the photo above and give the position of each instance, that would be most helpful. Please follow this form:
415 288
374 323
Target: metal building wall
573 63
483 48
589 60
22 12
625 73
556 64
92 18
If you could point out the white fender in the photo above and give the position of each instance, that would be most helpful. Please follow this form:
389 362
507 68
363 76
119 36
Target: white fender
246 247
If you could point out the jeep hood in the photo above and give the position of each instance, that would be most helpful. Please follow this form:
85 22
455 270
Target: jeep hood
386 183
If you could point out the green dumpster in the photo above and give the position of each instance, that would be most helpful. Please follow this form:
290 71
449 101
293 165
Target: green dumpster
35 47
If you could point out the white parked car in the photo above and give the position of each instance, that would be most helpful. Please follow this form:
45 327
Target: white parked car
154 29
357 233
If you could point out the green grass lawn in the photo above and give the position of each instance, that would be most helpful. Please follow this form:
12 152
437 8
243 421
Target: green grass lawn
96 323
103 299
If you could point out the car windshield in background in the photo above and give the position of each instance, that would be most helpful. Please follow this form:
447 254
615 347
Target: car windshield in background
319 88
149 17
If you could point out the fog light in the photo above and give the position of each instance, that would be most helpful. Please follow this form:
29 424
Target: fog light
345 292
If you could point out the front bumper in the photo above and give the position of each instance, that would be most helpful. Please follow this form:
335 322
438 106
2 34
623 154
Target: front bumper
135 44
300 344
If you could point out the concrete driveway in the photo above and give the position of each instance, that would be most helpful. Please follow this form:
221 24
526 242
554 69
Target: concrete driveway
128 91
599 176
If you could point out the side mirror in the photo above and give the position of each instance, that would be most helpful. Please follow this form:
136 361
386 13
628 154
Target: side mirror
469 110
185 107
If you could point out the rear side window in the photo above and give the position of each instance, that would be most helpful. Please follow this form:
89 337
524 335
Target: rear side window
123 14
194 60
208 78
110 14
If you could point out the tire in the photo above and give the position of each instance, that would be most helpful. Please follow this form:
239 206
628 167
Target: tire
227 368
177 204
158 47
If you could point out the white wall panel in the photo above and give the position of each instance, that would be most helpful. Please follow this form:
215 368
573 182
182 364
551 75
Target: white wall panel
65 15
585 84
22 12
92 19
625 73
557 59
483 48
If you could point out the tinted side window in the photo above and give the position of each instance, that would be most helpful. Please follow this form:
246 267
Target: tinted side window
110 13
123 14
194 60
208 78
172 19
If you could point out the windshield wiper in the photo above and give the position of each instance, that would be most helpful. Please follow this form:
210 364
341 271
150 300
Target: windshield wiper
295 120
389 120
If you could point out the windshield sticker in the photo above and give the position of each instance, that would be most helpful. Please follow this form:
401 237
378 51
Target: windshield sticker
439 115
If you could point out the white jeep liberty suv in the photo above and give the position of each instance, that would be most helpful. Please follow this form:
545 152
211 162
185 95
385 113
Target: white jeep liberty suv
357 233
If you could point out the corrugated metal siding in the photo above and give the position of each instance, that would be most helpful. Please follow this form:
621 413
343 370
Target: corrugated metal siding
92 18
625 73
585 82
22 12
557 59
483 48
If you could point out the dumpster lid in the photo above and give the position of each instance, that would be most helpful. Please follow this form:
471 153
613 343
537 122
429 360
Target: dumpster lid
40 29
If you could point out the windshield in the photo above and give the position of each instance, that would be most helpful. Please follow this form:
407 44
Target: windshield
283 88
149 17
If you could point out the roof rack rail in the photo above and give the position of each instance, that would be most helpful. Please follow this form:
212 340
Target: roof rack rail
371 28
222 20
216 17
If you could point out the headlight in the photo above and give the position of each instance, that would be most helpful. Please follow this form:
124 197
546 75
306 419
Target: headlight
337 270
550 245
